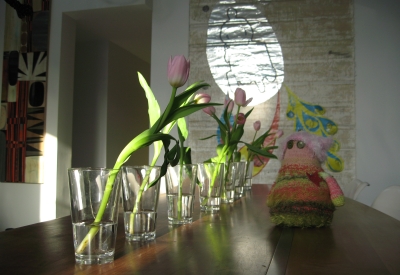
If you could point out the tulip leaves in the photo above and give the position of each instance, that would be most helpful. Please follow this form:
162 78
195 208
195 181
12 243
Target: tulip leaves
179 107
231 135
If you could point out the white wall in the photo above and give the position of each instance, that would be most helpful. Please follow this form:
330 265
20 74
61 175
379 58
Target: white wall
90 104
377 47
31 203
127 114
170 37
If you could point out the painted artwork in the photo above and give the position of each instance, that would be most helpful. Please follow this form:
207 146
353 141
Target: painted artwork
311 118
243 51
23 93
305 45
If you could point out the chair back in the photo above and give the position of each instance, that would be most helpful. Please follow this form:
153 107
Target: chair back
354 188
388 201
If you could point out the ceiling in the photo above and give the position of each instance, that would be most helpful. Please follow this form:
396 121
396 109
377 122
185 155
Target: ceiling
128 27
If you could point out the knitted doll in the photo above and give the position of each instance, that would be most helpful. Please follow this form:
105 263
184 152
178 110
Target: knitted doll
303 194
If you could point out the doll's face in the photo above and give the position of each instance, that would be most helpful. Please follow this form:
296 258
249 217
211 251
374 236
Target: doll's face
298 152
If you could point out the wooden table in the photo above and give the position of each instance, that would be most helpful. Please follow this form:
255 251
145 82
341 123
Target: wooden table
239 240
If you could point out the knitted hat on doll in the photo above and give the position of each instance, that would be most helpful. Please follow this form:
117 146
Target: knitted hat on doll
303 194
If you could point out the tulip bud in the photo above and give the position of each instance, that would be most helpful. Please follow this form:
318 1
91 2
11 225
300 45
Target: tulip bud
178 71
240 119
257 125
257 162
210 110
228 102
278 134
230 106
240 98
202 98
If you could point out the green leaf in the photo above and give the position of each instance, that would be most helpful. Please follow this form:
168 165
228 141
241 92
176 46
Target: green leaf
154 107
173 155
181 98
226 115
164 166
208 137
187 110
187 158
249 112
183 128
237 135
158 145
260 140
144 139
262 152
223 127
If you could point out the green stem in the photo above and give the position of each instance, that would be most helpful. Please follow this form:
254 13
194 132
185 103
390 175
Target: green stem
135 210
214 177
182 152
95 226
132 146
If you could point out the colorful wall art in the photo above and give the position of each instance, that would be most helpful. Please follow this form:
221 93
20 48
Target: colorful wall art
23 93
311 118
305 45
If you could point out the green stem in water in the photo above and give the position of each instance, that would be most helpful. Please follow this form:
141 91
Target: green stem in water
215 174
96 224
135 210
182 152
180 193
144 183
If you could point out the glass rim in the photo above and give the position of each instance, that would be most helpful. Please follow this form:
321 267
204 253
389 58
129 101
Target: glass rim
183 164
140 166
88 168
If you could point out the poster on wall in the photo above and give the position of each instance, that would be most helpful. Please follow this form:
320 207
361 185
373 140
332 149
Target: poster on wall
23 91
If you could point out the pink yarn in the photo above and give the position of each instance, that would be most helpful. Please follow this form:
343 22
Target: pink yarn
319 145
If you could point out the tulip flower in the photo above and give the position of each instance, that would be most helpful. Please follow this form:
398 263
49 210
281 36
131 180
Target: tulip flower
240 119
178 71
240 98
228 102
202 98
209 110
257 162
257 125
278 134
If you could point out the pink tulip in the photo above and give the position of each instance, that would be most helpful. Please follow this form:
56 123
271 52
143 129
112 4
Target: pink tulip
230 104
240 119
278 134
257 162
210 110
202 98
257 125
240 98
178 71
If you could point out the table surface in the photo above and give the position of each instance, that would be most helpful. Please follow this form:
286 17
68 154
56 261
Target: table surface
238 240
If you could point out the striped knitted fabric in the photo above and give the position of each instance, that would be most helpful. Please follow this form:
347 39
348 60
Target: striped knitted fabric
300 197
337 196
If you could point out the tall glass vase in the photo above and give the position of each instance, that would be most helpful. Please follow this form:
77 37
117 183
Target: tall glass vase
229 184
249 175
240 179
94 213
140 201
211 176
181 182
